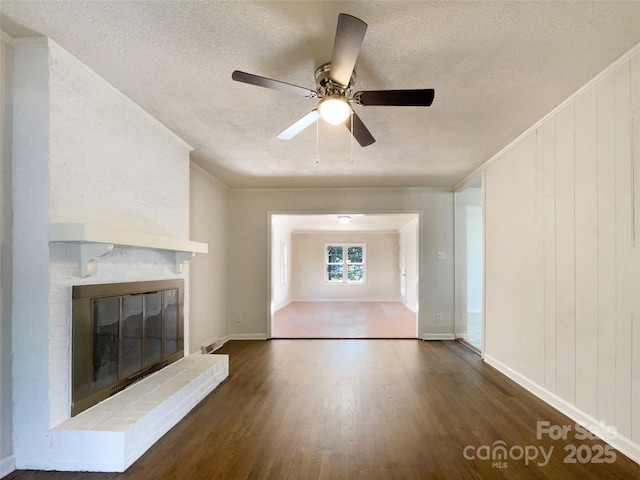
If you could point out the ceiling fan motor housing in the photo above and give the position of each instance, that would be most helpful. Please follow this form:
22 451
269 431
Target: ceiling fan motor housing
326 86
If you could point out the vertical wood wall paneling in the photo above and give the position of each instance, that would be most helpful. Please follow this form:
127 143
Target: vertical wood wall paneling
538 285
499 338
548 136
586 245
634 71
484 262
532 238
623 249
635 364
590 160
565 255
514 289
606 251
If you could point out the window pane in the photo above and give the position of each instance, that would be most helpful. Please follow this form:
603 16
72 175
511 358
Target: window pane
354 254
354 273
334 273
334 254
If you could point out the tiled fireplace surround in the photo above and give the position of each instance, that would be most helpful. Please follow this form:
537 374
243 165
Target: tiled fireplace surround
85 154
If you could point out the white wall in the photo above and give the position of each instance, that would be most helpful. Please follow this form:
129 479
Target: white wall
250 248
208 273
6 72
562 256
309 268
30 199
150 197
281 267
82 151
409 241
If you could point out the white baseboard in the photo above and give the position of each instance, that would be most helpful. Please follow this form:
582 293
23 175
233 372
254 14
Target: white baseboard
413 308
281 305
7 465
620 442
437 336
211 346
247 336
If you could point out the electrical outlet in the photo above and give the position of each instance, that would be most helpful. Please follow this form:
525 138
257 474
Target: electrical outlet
238 318
438 317
441 255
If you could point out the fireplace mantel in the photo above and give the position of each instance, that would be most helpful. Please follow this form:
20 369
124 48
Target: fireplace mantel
96 240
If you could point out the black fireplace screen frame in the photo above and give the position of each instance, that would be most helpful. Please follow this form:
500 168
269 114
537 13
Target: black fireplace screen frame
86 299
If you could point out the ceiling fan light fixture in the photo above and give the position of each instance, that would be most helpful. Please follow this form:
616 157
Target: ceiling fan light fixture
334 109
334 82
344 219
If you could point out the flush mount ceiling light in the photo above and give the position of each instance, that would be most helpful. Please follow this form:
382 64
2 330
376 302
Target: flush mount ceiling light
344 219
334 109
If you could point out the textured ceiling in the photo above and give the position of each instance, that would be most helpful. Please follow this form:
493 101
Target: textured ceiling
497 68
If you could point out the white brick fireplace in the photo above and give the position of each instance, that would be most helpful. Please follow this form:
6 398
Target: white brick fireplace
86 155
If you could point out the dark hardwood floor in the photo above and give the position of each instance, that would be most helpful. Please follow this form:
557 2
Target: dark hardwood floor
363 409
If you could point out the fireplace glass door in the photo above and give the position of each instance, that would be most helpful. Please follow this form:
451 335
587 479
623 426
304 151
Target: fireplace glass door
170 322
106 339
132 321
152 328
122 332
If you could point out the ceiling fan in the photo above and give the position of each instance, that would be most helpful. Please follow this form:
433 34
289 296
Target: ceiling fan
334 82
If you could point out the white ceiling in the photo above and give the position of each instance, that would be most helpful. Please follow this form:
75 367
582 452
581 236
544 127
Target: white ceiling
497 68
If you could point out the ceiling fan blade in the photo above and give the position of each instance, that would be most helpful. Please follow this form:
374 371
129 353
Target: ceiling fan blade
300 125
360 132
399 98
346 46
252 79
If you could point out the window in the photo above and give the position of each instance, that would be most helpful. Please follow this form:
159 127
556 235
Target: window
345 263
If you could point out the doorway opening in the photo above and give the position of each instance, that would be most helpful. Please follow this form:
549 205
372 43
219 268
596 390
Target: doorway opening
344 275
469 276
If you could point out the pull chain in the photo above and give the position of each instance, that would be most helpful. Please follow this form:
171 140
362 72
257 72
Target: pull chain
317 141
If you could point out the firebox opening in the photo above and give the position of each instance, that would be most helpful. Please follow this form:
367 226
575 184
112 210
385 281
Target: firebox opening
121 333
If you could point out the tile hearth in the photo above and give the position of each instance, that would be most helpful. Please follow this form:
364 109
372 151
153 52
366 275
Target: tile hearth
128 423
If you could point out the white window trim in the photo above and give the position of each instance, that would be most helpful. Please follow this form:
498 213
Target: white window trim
345 280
